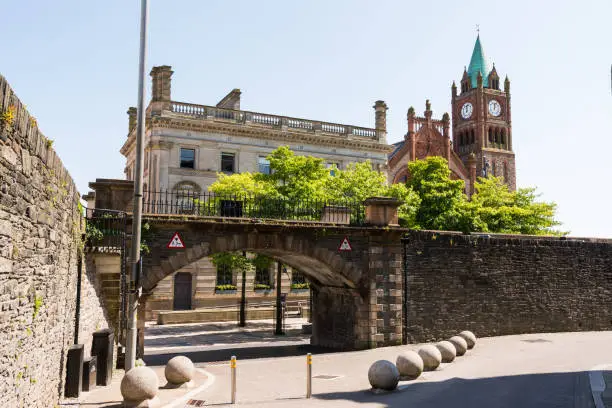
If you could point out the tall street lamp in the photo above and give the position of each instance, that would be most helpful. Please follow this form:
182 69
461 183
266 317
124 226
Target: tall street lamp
135 288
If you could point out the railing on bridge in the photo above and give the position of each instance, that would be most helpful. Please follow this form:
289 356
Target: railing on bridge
348 212
105 229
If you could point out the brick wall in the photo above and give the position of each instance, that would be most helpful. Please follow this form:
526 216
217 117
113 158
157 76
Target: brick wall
40 238
499 285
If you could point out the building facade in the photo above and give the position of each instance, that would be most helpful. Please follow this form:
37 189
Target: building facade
481 142
187 145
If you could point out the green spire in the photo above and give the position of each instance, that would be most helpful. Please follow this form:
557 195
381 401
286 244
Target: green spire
478 63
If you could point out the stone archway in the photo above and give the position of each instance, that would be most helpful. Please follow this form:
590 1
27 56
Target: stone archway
350 300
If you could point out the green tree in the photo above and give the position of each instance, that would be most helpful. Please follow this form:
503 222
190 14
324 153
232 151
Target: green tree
442 200
494 208
357 182
297 177
241 184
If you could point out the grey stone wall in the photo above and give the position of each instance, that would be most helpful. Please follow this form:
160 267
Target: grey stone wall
40 243
500 284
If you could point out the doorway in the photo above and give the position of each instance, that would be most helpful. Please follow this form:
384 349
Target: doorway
182 291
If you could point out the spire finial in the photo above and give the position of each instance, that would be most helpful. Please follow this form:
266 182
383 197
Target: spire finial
478 29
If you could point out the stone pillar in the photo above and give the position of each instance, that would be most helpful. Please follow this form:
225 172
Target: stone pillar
163 164
446 134
140 324
471 162
380 109
382 211
385 290
132 112
161 88
111 194
410 136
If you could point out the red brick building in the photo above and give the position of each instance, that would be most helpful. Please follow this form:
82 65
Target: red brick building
481 129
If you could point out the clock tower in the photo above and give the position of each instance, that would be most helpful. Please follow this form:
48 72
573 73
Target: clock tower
482 127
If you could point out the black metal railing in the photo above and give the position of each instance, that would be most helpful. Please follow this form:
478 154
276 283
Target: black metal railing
349 212
105 228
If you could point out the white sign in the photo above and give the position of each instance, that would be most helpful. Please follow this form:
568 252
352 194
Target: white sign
176 242
345 245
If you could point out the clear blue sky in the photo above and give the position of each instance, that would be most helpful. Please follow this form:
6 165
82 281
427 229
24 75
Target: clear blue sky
74 63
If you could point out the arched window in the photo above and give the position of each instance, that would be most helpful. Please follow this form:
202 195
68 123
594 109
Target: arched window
184 195
503 137
472 136
490 135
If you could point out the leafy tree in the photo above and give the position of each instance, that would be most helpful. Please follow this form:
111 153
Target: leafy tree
494 208
357 182
242 184
233 261
411 203
442 200
297 177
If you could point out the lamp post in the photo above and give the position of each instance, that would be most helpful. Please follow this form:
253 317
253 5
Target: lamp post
135 289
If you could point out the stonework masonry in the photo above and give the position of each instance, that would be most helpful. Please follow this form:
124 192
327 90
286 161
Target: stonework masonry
40 248
503 284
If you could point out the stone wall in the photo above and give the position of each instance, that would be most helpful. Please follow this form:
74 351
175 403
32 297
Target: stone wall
40 247
500 284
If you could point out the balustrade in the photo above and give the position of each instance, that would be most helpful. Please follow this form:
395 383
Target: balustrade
213 112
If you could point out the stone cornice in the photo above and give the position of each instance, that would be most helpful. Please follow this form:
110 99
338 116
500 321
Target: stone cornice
256 131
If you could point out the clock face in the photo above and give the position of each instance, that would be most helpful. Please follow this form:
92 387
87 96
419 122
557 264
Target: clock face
466 110
494 107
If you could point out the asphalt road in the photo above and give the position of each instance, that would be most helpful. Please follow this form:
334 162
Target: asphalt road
536 370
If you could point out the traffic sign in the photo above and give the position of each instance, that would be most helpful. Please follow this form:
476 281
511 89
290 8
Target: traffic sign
176 242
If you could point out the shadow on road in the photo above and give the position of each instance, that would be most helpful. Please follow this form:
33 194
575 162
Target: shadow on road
549 390
241 353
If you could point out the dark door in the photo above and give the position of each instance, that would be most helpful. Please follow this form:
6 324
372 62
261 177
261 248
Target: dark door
182 291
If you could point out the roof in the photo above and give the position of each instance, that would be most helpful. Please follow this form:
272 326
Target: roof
396 148
478 63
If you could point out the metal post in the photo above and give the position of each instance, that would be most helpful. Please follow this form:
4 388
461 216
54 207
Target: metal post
308 375
130 352
279 306
243 297
233 370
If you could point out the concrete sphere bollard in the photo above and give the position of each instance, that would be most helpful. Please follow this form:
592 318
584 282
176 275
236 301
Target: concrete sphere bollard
460 344
448 351
383 375
139 388
179 370
410 365
469 337
431 357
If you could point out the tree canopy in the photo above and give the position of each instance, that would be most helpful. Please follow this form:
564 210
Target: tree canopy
430 198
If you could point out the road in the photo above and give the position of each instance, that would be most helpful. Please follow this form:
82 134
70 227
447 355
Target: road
536 370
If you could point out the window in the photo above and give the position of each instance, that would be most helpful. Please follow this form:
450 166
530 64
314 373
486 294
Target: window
262 276
228 162
188 158
224 275
332 168
297 277
264 165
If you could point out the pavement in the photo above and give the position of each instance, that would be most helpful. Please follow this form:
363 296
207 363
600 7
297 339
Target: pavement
534 370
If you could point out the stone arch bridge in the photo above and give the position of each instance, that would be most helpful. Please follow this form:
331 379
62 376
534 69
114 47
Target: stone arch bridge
357 294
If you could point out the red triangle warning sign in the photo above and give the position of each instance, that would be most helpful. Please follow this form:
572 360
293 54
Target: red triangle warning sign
176 242
345 245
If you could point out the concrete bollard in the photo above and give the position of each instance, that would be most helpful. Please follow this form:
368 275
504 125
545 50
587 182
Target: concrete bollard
179 371
410 365
460 344
383 375
139 388
431 357
448 351
469 337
